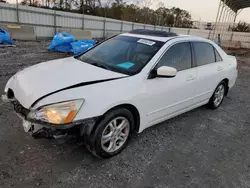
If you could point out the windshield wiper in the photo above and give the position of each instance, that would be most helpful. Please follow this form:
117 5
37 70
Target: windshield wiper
91 62
100 65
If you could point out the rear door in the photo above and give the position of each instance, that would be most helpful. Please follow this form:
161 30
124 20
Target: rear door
210 67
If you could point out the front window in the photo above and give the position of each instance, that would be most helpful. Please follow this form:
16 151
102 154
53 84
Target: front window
178 56
124 54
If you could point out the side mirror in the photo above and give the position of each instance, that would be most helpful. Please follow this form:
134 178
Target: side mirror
165 71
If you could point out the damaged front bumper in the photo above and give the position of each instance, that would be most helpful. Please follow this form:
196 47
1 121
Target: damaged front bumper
40 129
53 131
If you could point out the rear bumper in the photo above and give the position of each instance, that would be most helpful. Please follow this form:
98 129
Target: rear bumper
233 79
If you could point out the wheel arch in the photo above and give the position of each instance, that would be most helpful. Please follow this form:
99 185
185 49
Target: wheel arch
226 80
133 110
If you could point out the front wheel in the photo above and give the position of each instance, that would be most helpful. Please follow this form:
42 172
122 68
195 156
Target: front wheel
112 133
218 96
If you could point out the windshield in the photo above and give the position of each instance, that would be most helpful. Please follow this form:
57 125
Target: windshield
124 54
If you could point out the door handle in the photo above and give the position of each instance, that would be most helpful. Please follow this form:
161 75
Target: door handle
219 68
189 78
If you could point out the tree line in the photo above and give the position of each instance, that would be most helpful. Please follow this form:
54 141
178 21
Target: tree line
139 12
240 27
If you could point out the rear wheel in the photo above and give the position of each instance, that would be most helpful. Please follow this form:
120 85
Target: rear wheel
218 96
112 133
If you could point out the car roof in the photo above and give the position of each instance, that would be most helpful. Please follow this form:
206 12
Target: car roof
165 39
155 33
162 39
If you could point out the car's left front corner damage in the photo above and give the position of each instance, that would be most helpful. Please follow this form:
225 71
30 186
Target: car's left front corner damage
42 129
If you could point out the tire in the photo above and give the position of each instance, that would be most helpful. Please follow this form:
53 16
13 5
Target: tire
218 96
97 144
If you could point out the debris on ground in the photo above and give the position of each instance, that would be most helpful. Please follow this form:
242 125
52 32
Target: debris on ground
7 45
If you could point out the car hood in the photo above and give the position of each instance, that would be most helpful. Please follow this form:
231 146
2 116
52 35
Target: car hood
42 79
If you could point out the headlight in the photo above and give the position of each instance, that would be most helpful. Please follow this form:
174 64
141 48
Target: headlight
58 113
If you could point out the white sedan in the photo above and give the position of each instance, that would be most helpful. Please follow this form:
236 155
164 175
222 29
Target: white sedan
123 85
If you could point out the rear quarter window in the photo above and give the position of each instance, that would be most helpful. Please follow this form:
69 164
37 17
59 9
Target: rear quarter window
217 56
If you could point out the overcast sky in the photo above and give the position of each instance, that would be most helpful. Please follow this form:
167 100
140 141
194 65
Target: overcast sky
205 10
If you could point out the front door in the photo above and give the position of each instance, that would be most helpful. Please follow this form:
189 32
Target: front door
169 96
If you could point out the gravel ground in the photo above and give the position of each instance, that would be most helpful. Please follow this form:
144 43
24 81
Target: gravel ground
202 148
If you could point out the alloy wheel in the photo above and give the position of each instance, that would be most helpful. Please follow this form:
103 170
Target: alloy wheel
219 95
115 134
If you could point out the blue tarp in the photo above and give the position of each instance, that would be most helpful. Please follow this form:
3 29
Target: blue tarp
61 42
81 46
5 37
64 42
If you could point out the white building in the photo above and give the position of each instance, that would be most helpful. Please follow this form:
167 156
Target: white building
211 25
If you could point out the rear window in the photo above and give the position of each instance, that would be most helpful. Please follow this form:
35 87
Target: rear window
204 53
